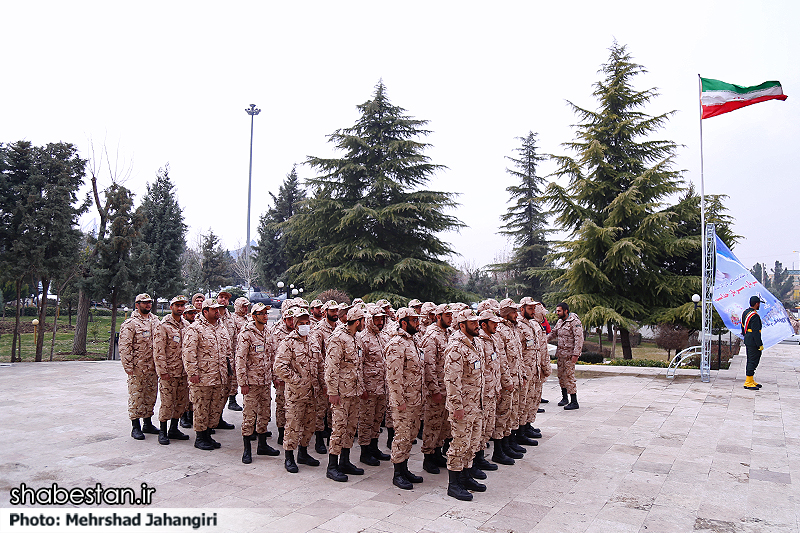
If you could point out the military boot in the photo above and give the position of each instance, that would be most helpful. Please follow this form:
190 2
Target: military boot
399 480
201 443
389 437
224 425
454 487
319 443
305 459
469 483
148 426
264 448
333 472
214 443
376 453
174 432
564 400
232 405
481 462
162 433
429 464
247 456
508 450
288 462
346 467
475 472
439 459
280 436
446 446
136 431
514 444
498 455
523 439
367 458
532 432
573 403
413 478
186 420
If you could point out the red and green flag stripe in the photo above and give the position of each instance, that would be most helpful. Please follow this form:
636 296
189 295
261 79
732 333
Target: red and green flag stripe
718 97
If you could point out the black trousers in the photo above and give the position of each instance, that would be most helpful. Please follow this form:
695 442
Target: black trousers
753 358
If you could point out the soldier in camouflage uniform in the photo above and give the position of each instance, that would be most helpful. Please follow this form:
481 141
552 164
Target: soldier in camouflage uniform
136 353
488 320
568 334
405 368
189 314
435 427
206 349
543 360
319 334
254 368
224 298
373 401
197 301
464 382
344 383
241 316
173 386
296 367
315 312
280 331
509 349
530 334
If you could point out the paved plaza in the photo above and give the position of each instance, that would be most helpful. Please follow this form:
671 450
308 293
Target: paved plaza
643 453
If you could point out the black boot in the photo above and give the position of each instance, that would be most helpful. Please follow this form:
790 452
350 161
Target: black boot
319 443
532 432
469 483
564 400
346 467
412 478
523 440
288 462
214 443
201 443
186 420
514 444
389 437
454 488
376 453
232 405
148 426
333 471
508 450
545 401
573 403
280 436
366 456
254 436
174 432
399 480
264 448
439 459
429 464
224 425
162 433
446 446
499 456
136 431
304 458
247 456
481 462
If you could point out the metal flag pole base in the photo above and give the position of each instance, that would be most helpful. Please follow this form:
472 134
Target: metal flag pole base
709 258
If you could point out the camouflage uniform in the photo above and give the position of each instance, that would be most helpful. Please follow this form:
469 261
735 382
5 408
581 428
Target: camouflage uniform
206 349
372 409
279 332
491 388
569 336
405 367
319 334
464 381
136 354
296 367
543 360
343 378
254 369
509 349
174 391
530 333
233 332
436 427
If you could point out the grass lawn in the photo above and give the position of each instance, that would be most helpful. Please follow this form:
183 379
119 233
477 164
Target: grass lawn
646 350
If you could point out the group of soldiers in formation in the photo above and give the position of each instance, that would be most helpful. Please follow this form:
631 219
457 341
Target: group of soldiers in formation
454 377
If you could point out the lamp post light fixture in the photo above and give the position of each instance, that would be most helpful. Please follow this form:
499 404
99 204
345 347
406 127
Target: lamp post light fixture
126 311
294 292
301 290
696 299
252 111
35 323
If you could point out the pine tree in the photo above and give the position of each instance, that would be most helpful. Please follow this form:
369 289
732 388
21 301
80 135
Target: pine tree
215 263
781 283
165 234
759 272
525 222
613 207
375 229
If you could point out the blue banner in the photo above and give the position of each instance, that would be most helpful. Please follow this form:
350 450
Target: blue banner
733 287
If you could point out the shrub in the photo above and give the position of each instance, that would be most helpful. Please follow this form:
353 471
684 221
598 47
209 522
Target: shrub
591 357
334 294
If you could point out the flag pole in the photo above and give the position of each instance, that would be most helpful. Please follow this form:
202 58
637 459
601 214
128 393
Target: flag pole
703 352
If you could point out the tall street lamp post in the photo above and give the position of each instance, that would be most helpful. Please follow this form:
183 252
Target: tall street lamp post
252 111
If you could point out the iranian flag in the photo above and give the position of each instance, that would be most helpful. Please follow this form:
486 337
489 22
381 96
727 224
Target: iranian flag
719 97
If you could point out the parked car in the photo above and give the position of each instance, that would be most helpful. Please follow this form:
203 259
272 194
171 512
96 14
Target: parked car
266 299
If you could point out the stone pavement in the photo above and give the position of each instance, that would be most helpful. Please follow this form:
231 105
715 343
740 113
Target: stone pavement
643 453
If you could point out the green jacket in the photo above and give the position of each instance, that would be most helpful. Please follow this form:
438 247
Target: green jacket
751 328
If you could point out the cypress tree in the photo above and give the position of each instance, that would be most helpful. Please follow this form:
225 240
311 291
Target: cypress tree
215 263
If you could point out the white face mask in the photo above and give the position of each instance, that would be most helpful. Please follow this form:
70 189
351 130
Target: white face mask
303 329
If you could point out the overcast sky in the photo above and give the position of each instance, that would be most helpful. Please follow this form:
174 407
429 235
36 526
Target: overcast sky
168 82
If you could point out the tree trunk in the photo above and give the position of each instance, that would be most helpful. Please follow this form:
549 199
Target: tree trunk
55 322
42 320
15 339
113 324
600 338
81 324
69 311
613 342
625 339
610 330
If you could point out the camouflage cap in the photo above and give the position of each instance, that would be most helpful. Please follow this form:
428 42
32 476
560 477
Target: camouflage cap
315 303
223 291
300 311
211 303
489 314
443 308
330 304
465 316
507 305
383 302
257 308
375 310
486 305
358 301
144 297
190 309
528 301
459 306
197 295
428 307
414 303
302 303
355 313
289 312
406 312
240 302
177 299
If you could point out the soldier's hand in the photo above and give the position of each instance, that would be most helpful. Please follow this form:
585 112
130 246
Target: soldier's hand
364 395
401 407
245 389
437 398
575 358
458 414
334 400
195 379
166 377
278 383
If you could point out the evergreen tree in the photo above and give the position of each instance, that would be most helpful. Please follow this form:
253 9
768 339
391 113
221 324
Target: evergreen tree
279 247
613 207
215 264
760 273
165 234
375 230
525 222
781 283
192 271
